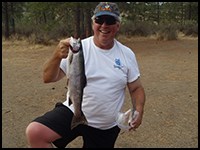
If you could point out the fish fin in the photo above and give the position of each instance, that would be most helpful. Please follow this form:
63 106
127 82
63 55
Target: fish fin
78 120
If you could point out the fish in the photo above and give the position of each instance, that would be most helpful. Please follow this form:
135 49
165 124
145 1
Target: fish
76 81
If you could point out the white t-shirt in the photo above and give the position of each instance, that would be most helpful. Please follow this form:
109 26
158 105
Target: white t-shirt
107 73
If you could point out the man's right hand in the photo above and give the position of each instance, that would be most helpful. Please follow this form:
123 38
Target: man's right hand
62 49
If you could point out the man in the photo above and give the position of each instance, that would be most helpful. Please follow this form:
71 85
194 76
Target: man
109 68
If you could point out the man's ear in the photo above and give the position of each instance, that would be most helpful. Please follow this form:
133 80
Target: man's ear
118 26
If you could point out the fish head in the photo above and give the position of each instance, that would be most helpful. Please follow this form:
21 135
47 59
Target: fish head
74 45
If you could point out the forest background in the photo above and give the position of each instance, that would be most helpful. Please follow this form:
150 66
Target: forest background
42 22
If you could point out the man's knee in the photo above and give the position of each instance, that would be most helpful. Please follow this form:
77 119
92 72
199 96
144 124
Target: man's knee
33 130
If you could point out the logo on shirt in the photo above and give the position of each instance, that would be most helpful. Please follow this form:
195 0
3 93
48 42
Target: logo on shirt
118 64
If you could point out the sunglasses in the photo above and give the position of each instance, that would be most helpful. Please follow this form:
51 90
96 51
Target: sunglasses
108 20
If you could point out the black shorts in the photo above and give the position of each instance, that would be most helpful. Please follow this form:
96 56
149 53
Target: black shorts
59 120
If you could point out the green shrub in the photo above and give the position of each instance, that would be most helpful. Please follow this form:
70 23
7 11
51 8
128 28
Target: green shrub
190 28
167 32
130 28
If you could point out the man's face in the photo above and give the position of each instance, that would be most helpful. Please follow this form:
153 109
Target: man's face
105 28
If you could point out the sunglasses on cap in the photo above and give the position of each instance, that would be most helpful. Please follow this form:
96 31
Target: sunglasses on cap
109 20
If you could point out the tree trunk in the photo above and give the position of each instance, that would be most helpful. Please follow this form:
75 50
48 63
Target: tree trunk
189 11
77 21
88 27
6 16
12 18
158 13
82 22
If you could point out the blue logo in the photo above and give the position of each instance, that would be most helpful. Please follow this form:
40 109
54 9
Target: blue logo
118 64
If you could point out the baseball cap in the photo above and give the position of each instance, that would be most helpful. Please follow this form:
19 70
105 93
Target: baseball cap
107 8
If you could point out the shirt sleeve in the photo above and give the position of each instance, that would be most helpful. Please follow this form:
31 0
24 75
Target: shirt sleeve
133 69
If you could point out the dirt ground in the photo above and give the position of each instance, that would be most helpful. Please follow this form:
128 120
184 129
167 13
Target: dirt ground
169 73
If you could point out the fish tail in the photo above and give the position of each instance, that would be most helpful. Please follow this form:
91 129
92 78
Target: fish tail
78 120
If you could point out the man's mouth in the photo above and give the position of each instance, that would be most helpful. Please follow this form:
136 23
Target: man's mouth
104 31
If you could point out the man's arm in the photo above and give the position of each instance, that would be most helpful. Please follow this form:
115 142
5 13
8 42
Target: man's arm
137 94
51 70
